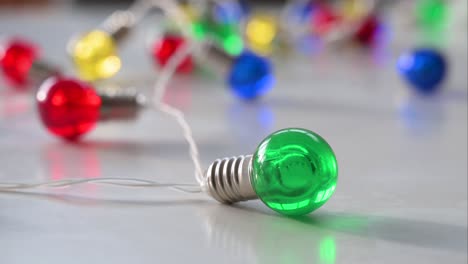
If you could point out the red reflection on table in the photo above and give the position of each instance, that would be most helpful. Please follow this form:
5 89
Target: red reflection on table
65 162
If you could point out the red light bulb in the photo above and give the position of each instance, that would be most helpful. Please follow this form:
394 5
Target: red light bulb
323 18
166 47
366 33
68 108
16 60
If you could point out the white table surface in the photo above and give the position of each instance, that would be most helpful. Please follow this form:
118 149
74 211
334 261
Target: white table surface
401 195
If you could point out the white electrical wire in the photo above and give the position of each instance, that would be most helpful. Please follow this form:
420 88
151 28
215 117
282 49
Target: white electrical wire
161 85
159 89
170 9
139 9
128 182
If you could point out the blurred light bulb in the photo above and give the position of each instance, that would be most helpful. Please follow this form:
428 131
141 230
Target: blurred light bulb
95 55
70 108
354 9
367 31
189 11
261 31
226 36
250 75
423 68
293 171
432 14
323 19
17 57
164 48
22 66
228 12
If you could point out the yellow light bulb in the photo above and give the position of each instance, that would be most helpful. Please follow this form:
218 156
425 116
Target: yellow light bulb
189 11
261 31
354 9
95 55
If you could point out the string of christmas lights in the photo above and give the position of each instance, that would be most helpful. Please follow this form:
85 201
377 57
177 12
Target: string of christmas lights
293 171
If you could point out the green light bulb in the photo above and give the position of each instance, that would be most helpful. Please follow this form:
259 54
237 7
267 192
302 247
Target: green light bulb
199 30
293 171
225 35
432 13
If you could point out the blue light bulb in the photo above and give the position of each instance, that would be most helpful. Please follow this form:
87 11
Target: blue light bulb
302 11
228 12
250 75
423 68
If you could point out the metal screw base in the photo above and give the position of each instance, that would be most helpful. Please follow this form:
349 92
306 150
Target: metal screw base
41 70
122 104
119 24
228 179
216 58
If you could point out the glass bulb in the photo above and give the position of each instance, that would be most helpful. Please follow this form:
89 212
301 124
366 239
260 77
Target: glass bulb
354 9
230 39
324 19
165 48
16 60
300 12
294 171
432 13
250 75
366 33
228 12
95 56
423 68
226 36
261 31
190 12
68 108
